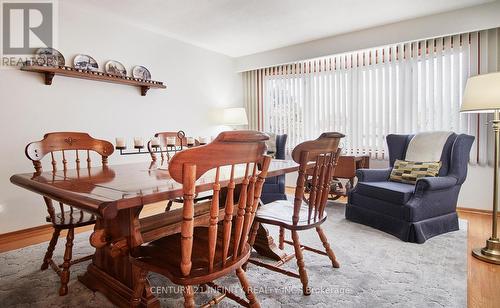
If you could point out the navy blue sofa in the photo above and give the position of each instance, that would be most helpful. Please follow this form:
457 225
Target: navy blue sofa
274 187
413 213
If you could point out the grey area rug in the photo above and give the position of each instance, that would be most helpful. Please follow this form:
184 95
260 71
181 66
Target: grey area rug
377 270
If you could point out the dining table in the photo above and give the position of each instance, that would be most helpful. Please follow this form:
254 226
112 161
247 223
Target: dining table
116 195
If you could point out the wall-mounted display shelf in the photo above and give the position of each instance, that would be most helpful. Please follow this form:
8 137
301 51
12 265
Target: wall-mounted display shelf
49 72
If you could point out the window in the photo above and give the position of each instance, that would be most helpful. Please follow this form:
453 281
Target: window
403 88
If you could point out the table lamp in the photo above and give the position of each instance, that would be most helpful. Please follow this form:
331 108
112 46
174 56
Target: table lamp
234 116
482 95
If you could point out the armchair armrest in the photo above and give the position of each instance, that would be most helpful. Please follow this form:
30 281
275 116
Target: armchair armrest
373 175
435 183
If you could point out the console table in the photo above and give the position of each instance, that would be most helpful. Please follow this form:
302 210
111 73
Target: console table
346 169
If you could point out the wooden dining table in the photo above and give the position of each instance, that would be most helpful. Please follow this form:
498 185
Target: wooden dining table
116 194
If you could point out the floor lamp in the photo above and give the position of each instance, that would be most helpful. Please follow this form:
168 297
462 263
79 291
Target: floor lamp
482 95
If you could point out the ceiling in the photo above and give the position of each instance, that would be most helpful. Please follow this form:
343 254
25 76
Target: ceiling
242 27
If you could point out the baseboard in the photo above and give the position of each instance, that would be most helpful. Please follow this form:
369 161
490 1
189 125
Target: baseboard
39 234
476 211
31 236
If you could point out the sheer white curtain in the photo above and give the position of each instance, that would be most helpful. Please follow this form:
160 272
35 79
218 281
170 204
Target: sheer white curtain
402 88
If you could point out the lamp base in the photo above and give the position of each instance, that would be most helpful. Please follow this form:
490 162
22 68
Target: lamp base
490 253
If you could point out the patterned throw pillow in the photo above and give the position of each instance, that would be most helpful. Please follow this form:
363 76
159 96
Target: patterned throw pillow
409 171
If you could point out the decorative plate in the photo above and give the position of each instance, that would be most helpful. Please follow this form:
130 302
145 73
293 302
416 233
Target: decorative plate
85 62
115 68
141 72
49 57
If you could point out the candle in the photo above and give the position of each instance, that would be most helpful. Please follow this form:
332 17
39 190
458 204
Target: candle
155 142
190 140
171 141
138 143
203 140
120 142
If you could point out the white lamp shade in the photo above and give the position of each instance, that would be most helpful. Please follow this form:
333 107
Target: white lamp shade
235 116
482 94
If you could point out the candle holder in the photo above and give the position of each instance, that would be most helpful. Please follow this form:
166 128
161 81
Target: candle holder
157 148
138 148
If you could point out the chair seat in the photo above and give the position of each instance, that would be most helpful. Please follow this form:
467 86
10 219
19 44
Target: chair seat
280 213
71 219
394 192
163 256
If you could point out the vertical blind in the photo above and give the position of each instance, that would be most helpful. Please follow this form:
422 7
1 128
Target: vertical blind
402 88
252 97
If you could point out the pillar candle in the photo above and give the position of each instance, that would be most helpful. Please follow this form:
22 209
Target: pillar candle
171 141
155 142
203 140
120 142
138 143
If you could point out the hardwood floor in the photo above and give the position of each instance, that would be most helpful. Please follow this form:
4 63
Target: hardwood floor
483 282
483 279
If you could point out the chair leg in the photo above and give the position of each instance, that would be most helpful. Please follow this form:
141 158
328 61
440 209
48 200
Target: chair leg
300 263
328 250
251 239
50 249
252 301
282 238
169 205
253 233
202 287
139 288
63 290
188 297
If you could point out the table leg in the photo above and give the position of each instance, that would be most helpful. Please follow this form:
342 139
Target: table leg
265 246
111 273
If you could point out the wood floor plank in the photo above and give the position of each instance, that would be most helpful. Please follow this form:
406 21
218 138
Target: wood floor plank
483 279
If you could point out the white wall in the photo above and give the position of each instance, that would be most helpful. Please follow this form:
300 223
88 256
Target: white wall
198 82
468 19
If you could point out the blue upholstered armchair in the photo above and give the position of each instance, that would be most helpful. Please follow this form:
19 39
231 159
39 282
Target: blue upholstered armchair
413 213
274 188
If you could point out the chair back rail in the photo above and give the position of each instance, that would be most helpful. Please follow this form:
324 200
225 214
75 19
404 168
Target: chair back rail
324 152
64 143
230 151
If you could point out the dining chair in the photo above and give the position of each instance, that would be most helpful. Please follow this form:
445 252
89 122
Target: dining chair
181 143
317 159
63 145
168 150
207 250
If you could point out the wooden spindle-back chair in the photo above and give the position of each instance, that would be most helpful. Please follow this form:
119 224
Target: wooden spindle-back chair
180 144
201 254
66 144
317 159
168 152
